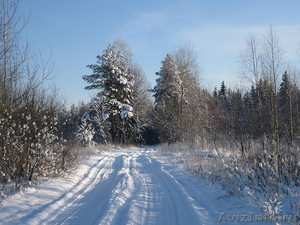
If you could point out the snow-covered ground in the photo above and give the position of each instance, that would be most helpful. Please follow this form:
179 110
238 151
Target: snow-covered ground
128 186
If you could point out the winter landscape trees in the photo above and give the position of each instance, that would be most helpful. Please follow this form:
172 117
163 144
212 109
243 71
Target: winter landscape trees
177 97
29 135
34 127
257 125
117 81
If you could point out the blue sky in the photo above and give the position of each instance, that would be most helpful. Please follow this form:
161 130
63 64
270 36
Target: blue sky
76 31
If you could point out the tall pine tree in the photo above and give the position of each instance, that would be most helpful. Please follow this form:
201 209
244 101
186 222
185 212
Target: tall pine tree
114 83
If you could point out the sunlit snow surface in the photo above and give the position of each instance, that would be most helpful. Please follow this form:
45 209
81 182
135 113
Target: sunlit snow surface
128 186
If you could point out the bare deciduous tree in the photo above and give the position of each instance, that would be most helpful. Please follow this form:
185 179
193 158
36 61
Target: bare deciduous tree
272 59
189 75
29 131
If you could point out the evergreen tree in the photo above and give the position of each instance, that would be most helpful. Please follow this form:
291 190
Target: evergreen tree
285 108
253 97
223 91
284 94
223 97
111 78
215 93
264 91
252 113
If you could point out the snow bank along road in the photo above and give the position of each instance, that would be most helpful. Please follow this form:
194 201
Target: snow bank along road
129 186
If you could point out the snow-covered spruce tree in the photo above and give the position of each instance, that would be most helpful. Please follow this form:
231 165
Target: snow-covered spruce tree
167 101
111 78
285 109
223 92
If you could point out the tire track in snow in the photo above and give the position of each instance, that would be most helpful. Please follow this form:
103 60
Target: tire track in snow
125 187
109 200
175 206
152 197
72 205
137 191
94 204
45 211
145 208
177 199
122 195
49 211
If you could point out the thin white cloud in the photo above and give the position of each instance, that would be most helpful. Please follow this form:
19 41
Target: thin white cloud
143 24
218 46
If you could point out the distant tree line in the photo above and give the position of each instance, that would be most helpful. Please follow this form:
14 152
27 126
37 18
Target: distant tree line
181 111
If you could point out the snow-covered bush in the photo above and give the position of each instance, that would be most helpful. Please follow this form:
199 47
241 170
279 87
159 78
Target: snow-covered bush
29 145
254 175
30 141
32 127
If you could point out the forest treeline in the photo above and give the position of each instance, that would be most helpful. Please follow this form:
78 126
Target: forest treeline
40 136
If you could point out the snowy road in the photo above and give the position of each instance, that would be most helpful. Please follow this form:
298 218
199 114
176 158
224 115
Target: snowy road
131 186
